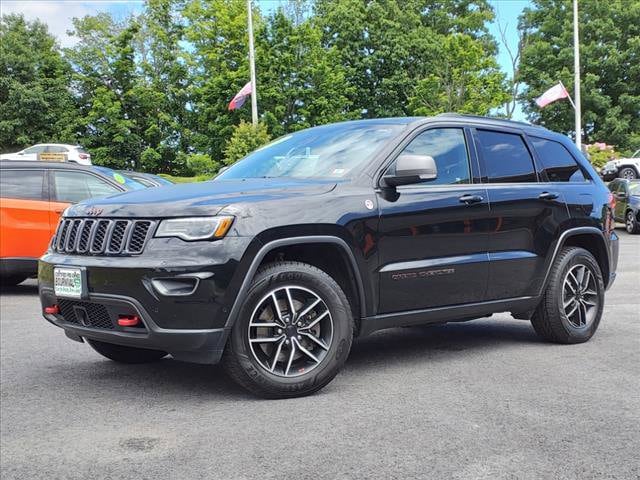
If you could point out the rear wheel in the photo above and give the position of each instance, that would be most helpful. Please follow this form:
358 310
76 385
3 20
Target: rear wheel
293 333
630 222
572 304
122 354
628 173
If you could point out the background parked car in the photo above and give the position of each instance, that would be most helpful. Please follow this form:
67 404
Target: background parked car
147 179
628 168
627 194
74 153
32 197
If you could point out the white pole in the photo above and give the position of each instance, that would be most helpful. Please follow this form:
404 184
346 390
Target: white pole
252 69
576 73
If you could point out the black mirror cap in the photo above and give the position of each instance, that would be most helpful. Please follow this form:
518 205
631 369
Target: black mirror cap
412 168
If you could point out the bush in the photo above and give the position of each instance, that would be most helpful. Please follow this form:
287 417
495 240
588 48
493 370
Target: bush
244 140
202 164
600 153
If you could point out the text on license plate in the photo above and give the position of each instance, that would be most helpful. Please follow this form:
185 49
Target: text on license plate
67 282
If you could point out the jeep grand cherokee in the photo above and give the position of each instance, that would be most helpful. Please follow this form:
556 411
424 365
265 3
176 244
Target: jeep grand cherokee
335 232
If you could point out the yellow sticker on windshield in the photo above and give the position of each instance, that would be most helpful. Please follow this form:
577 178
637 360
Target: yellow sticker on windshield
119 178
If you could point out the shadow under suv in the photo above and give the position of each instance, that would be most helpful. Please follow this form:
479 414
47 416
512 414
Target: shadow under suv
335 232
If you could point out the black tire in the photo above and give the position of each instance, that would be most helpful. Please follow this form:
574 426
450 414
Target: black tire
11 280
240 360
550 319
122 354
631 223
629 173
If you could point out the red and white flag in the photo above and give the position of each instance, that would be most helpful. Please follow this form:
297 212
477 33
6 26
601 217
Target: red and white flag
557 92
241 97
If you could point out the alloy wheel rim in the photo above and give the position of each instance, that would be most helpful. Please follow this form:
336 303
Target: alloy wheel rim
629 175
580 296
629 222
290 331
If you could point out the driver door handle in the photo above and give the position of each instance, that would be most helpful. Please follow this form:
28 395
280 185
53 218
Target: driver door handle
548 196
470 199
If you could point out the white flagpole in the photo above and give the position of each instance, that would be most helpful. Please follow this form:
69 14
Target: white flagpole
252 69
569 97
576 73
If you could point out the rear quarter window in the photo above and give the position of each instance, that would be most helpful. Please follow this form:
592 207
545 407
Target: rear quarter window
557 163
22 184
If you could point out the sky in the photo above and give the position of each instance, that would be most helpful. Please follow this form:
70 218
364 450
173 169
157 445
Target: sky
57 14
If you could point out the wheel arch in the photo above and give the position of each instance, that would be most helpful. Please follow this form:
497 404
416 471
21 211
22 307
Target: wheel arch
272 249
589 238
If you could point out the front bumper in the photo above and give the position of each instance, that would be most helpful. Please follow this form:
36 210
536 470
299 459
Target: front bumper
198 345
190 325
609 173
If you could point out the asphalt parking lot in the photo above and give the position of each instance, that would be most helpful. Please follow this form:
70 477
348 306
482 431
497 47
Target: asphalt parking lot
484 399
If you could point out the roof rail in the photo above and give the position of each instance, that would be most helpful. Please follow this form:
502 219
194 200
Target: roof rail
492 119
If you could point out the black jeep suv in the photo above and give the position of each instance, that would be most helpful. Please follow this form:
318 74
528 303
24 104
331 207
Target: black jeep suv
335 232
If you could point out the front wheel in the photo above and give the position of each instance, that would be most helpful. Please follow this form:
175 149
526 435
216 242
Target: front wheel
122 354
293 333
628 173
572 304
630 223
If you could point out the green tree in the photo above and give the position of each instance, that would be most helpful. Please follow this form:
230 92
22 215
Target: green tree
467 81
388 46
217 32
35 100
301 84
610 71
244 140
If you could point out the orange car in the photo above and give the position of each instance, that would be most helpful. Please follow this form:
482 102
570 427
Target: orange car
32 197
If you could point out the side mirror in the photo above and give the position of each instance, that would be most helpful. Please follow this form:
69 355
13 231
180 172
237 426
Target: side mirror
412 168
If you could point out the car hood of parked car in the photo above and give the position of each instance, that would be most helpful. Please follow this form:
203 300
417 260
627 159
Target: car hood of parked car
205 198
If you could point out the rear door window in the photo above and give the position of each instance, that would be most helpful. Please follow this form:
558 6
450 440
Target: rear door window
506 157
22 184
74 187
557 163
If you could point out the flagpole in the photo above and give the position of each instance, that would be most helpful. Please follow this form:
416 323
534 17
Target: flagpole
569 97
252 68
576 73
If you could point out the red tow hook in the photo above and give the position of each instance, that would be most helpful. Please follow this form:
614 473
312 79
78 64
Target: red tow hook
52 310
128 320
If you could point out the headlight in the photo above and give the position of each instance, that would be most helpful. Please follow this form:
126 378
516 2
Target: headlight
195 228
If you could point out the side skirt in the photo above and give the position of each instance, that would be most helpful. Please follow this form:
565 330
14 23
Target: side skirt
446 314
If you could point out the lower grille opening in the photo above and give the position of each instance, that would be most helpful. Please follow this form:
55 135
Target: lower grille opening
86 314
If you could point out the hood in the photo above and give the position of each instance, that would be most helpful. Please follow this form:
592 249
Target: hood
204 198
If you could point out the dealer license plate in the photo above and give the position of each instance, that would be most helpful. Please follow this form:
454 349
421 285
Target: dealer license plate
67 282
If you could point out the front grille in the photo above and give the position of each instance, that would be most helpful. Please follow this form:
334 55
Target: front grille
89 236
85 314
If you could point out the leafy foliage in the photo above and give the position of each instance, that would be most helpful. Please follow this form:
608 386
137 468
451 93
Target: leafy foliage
35 103
202 164
151 92
245 139
609 51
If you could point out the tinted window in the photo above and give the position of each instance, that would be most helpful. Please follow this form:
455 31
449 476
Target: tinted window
506 157
557 162
448 148
56 149
35 149
25 184
74 187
